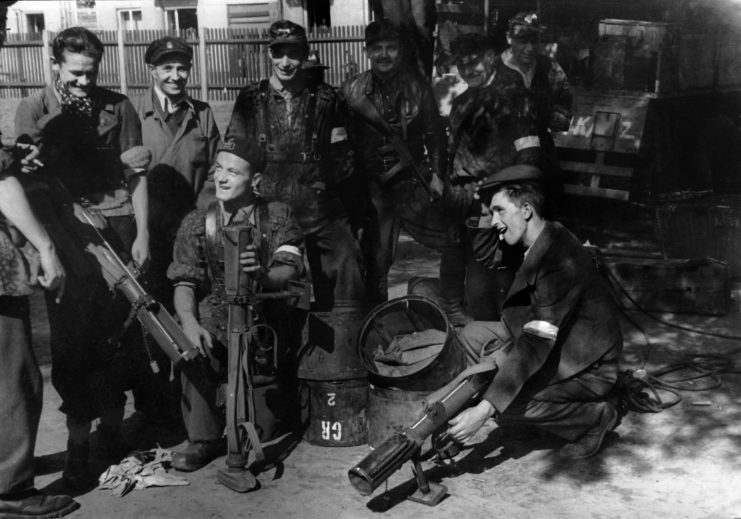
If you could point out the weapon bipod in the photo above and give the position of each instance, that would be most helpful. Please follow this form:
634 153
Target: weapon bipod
428 493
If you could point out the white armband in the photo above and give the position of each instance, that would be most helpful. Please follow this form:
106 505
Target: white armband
531 141
542 329
290 249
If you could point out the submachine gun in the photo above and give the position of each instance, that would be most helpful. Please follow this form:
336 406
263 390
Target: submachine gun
389 456
253 361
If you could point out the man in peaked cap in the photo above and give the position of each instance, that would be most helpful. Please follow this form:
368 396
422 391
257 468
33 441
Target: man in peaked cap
559 339
182 135
275 258
308 161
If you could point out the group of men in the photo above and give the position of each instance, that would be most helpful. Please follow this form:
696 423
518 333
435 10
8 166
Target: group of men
332 175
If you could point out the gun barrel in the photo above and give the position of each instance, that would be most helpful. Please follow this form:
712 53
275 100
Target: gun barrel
378 466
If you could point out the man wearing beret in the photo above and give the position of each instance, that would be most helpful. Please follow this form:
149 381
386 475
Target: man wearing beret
182 135
559 338
404 103
543 77
492 126
90 142
309 164
197 271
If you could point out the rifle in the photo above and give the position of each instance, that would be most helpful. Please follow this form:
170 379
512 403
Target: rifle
364 107
252 364
440 406
163 328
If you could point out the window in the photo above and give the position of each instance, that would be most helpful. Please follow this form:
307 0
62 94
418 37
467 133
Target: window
249 15
35 22
317 12
130 19
182 20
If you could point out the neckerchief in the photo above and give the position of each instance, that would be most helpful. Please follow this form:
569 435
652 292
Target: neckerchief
84 109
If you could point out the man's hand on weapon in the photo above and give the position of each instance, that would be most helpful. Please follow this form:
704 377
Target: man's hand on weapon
467 422
140 249
198 335
250 261
29 153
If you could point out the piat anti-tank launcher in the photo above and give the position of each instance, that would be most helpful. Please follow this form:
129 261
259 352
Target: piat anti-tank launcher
441 406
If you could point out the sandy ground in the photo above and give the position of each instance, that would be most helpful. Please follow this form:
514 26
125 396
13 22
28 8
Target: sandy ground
681 463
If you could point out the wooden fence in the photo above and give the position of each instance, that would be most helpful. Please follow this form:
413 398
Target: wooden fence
224 60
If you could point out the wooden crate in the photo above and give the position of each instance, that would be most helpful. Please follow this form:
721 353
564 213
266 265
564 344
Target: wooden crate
670 285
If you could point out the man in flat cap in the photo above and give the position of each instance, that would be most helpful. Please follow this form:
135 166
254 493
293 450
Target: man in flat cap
492 126
197 272
90 142
544 78
307 161
559 338
182 135
389 107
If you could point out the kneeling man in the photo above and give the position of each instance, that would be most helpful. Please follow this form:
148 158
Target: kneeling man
197 271
558 343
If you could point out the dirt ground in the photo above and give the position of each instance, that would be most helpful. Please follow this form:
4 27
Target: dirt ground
680 463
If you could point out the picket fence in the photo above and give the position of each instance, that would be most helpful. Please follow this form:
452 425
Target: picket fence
224 60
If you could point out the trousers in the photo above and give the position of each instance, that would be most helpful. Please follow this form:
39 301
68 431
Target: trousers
21 390
567 408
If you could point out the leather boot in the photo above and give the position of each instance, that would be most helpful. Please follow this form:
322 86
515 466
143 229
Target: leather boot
33 504
76 473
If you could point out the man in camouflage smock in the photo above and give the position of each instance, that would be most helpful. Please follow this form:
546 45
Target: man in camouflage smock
308 165
197 271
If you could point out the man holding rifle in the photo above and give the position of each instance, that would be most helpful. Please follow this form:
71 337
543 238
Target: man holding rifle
395 129
89 139
198 271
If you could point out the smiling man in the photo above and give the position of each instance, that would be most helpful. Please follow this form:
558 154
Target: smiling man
298 125
197 270
182 135
90 141
559 338
406 103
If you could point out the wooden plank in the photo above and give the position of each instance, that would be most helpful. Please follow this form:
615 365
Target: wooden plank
603 192
596 169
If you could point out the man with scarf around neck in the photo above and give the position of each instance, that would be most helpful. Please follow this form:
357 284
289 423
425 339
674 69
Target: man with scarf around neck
407 103
197 272
308 162
90 140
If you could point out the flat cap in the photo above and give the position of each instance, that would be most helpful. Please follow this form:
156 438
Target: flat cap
167 46
380 30
285 32
248 150
524 25
511 175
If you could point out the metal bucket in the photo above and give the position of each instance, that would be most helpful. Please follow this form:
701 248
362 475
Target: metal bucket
330 352
404 316
335 411
390 411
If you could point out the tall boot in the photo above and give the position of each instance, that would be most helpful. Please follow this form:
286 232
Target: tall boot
453 283
76 473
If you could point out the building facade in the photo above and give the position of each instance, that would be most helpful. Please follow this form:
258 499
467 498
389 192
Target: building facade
29 16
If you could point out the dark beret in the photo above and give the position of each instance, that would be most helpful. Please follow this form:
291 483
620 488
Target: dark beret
525 25
470 44
248 150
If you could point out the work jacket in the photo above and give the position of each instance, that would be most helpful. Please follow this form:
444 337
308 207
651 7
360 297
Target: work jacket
191 149
559 314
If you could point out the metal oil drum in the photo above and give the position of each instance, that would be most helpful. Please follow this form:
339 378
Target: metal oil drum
403 316
330 352
335 411
390 411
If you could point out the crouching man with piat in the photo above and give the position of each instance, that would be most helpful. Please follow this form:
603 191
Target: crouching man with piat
237 234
